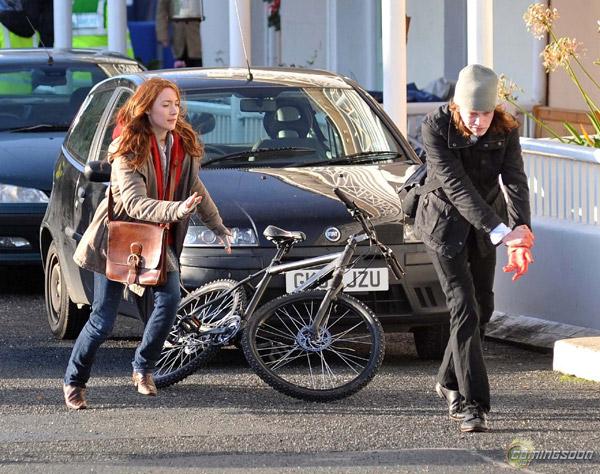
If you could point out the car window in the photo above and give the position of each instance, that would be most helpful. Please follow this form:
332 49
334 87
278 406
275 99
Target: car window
50 95
309 125
109 128
84 127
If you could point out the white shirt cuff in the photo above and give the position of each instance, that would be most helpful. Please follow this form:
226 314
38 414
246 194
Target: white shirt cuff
499 232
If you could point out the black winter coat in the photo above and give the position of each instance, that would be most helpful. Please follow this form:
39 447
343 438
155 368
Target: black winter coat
470 196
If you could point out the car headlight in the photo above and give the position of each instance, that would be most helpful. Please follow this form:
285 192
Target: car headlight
10 194
202 236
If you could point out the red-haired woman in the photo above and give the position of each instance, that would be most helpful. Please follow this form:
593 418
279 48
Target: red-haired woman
156 157
471 143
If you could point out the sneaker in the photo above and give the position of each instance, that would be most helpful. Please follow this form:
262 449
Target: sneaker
475 420
453 399
144 384
74 397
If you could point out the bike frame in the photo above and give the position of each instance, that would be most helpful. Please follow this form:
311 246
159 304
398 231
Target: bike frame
337 263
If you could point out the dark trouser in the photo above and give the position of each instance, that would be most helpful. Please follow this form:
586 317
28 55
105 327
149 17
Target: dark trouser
107 295
467 280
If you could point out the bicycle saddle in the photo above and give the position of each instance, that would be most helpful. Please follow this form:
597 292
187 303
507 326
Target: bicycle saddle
278 235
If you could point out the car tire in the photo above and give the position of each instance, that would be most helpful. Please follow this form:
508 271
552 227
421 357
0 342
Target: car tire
65 319
431 341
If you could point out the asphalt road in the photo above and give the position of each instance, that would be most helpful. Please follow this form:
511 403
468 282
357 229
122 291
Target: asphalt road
226 419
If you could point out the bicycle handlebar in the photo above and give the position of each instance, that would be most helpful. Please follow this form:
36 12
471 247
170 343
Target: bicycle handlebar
345 199
363 216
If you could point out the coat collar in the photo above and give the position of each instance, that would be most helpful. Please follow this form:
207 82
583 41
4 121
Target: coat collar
457 141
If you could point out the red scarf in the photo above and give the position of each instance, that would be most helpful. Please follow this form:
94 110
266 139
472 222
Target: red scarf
175 162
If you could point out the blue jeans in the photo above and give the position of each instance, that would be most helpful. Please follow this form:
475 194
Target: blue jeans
107 295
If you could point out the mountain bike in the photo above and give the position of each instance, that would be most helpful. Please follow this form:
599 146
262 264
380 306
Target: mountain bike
311 344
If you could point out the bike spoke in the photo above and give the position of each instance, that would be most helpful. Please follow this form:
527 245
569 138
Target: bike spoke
275 332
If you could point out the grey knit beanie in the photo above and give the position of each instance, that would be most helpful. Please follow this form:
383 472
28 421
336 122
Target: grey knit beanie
476 88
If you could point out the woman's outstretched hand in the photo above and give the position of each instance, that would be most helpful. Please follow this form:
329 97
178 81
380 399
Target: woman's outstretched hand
225 238
191 202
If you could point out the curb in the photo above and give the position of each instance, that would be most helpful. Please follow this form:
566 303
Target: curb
576 349
578 356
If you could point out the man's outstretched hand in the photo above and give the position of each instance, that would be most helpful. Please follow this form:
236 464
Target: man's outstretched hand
519 259
520 236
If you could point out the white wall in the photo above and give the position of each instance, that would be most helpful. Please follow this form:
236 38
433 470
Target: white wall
304 37
562 283
513 45
425 47
215 33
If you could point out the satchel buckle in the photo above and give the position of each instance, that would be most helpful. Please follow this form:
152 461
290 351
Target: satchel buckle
134 261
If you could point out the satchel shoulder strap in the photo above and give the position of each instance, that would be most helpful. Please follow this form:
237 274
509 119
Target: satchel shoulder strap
111 204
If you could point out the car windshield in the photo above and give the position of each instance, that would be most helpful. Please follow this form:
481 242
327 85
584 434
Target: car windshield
287 127
44 97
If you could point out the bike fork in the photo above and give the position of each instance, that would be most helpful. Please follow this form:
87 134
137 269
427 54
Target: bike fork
334 287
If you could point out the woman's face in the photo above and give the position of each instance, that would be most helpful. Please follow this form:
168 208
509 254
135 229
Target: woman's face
164 111
476 121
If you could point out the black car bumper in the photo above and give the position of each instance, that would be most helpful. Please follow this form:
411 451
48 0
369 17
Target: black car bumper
416 300
20 223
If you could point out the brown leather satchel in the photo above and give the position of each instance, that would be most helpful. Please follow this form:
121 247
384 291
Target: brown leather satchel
137 251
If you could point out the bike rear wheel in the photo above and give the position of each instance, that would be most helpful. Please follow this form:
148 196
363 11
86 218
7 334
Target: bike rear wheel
282 351
190 344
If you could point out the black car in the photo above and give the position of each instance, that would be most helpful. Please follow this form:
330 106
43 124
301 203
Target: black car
40 93
276 145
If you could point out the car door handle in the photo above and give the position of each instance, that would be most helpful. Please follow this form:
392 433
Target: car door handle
80 194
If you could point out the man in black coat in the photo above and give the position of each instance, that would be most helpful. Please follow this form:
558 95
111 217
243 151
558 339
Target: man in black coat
470 143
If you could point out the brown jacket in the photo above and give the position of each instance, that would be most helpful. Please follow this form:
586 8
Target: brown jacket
186 33
135 197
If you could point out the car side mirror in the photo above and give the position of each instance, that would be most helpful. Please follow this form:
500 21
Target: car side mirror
97 171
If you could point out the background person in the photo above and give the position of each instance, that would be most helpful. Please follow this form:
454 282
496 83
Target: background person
157 154
469 144
186 41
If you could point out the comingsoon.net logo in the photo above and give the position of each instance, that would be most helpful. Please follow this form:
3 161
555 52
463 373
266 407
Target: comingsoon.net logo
521 452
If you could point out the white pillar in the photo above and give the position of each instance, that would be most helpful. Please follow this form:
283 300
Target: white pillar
393 26
117 26
236 47
63 26
332 50
480 32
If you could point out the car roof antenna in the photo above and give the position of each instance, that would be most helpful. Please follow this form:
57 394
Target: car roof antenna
249 76
50 58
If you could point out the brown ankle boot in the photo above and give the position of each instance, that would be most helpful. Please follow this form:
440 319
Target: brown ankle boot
144 383
74 397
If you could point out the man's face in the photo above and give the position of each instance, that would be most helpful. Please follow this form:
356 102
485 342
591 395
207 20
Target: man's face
477 121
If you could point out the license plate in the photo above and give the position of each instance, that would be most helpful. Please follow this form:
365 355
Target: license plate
355 279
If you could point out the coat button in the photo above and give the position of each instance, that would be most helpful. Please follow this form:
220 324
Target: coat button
460 242
454 219
453 144
499 143
485 145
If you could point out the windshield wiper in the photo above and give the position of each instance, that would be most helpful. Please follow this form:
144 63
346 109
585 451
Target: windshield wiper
289 151
40 127
361 157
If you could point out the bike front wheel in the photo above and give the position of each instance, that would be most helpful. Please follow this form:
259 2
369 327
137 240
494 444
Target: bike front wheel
280 347
204 318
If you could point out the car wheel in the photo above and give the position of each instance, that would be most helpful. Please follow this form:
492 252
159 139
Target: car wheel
65 319
431 341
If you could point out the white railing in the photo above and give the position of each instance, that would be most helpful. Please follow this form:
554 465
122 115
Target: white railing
564 180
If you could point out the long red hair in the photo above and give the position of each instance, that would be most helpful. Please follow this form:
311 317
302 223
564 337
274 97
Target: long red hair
503 122
136 130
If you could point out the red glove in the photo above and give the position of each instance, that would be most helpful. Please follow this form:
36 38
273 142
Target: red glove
519 259
520 236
